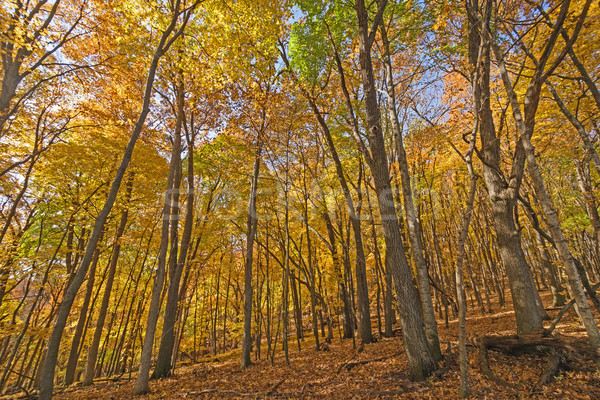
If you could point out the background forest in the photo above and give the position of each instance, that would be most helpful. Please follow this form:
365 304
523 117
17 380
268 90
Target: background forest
180 179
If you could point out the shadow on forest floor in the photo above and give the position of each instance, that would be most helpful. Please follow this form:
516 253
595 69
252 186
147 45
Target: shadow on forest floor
379 371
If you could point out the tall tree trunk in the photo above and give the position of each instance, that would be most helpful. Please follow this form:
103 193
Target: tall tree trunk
286 272
47 375
414 229
364 313
251 225
93 350
310 269
141 384
421 361
525 124
165 352
502 193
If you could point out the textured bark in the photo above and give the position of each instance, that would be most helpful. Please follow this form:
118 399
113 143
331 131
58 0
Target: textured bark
525 122
420 359
502 192
414 229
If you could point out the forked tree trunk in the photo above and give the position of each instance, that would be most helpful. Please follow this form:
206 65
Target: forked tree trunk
420 359
526 127
502 193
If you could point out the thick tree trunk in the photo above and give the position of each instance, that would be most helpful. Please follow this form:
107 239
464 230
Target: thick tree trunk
525 124
421 361
502 193
414 229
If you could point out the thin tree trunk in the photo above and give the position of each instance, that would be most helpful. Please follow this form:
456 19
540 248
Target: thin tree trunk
81 322
141 384
47 376
251 225
364 314
93 350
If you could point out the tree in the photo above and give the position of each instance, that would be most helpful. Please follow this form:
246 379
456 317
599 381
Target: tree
502 190
420 358
167 38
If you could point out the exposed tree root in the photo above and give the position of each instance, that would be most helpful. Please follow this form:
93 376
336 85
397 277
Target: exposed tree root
528 343
551 370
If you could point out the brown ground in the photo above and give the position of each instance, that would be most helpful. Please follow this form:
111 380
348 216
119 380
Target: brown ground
314 374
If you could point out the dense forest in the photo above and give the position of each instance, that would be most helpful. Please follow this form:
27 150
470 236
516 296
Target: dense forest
188 180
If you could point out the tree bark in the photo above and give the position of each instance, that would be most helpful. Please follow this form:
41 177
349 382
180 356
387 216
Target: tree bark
251 225
502 192
414 229
47 376
420 359
525 125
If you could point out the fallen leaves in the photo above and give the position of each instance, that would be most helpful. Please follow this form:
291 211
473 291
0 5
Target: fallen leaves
380 371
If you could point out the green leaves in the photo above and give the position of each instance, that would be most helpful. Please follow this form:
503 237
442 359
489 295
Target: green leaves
310 41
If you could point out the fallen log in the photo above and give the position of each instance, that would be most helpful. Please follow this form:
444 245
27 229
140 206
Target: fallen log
521 343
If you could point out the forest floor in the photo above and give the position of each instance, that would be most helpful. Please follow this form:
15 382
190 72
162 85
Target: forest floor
378 371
